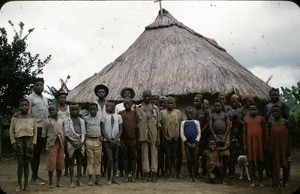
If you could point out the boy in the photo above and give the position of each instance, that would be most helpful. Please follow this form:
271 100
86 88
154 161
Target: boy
190 133
213 164
93 144
170 120
219 127
149 130
280 145
254 135
101 91
111 125
54 145
74 129
39 108
129 138
23 137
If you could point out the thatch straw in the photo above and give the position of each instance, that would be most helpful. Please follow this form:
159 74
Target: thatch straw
170 58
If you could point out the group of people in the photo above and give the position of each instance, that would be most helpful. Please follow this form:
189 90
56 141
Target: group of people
146 140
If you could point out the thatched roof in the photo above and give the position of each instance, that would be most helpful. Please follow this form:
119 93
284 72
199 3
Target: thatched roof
170 58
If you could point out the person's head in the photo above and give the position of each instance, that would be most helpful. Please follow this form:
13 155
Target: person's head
162 101
274 95
222 98
217 106
276 111
53 110
205 104
127 102
155 99
189 111
61 96
147 96
24 105
110 107
127 92
74 110
249 100
38 86
253 109
198 101
101 91
170 103
93 109
234 102
212 144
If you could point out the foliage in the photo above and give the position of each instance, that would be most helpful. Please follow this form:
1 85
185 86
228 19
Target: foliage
18 68
52 91
292 97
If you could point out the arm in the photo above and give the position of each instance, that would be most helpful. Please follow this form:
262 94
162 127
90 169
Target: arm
244 137
211 126
227 125
83 130
289 139
120 121
199 131
182 131
12 133
104 133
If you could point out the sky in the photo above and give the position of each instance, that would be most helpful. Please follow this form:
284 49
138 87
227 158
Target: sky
85 36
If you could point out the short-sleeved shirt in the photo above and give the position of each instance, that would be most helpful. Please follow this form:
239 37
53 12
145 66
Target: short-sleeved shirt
111 130
93 128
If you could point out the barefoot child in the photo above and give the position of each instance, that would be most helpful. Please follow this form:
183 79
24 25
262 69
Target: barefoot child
23 134
190 133
170 120
54 145
254 143
279 139
111 126
213 164
74 129
93 144
129 139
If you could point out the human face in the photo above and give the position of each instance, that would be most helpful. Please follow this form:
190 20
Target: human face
127 104
147 96
74 110
155 99
101 93
197 102
93 110
253 111
276 112
170 104
274 96
53 110
234 103
205 104
222 99
127 93
24 107
212 145
62 99
217 107
189 114
38 87
109 108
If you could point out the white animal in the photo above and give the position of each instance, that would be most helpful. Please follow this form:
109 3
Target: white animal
243 164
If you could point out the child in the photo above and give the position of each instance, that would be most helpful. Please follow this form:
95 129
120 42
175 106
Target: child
254 143
54 145
74 129
190 133
219 127
170 120
129 139
279 139
213 164
111 126
93 144
23 137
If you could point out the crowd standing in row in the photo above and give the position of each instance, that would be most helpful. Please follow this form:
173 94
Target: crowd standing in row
145 140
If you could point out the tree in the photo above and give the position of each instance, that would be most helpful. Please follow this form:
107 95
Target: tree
18 68
52 91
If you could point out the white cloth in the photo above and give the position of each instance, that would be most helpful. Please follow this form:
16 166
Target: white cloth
112 131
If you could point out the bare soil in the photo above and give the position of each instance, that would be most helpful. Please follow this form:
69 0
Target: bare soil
8 181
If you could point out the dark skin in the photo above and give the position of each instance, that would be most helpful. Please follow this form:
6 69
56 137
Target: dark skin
219 122
38 88
198 104
62 99
155 99
101 97
189 116
112 150
93 109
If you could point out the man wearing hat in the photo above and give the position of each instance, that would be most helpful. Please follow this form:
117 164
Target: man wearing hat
125 92
101 91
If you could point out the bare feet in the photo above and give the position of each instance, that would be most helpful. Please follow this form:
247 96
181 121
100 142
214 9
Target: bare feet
72 184
79 183
19 188
26 188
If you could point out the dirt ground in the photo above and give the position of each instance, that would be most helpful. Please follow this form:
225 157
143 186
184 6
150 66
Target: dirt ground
8 180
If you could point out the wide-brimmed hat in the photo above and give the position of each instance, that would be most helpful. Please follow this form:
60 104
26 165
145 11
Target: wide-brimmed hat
61 92
127 88
101 86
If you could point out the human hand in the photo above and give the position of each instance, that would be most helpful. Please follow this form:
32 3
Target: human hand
31 148
14 146
157 142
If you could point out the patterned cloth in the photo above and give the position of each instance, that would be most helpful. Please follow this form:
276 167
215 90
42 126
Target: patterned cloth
93 128
170 121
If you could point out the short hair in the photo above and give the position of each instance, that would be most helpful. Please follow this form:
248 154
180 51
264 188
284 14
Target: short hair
111 104
39 79
147 91
74 104
252 104
274 90
23 100
168 98
276 106
52 104
188 108
93 104
217 100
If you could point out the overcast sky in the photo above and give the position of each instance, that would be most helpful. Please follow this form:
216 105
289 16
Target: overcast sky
83 37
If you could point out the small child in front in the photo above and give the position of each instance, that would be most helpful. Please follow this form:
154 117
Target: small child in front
23 134
74 129
111 126
54 145
190 133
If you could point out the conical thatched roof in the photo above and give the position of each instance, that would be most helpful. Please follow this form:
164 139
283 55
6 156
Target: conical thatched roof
170 58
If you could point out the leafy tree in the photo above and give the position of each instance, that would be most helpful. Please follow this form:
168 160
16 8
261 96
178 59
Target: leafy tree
18 68
52 91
